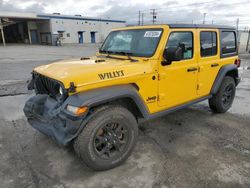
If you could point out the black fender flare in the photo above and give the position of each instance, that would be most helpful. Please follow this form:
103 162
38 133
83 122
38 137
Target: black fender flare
95 97
220 76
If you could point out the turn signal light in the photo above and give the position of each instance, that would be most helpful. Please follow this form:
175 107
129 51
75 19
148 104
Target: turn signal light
77 110
237 62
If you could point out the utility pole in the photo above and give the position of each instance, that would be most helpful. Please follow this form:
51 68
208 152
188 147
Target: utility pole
139 18
247 47
204 17
154 13
237 26
142 18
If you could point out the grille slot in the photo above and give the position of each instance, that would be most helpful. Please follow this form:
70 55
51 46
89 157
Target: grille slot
45 85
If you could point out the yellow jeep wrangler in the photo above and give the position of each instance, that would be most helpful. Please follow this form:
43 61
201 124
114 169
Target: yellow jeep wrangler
139 73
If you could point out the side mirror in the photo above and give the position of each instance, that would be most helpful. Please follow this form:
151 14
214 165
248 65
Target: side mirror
172 54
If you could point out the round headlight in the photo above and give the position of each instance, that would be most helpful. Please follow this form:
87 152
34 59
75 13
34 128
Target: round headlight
61 91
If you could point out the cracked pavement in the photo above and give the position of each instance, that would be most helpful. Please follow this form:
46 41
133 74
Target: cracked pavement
189 148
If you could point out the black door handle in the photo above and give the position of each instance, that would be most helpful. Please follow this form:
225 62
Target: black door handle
192 69
214 65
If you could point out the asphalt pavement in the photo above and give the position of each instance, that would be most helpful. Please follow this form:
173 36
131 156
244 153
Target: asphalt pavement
189 148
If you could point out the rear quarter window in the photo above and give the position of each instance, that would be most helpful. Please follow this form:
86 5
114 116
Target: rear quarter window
228 42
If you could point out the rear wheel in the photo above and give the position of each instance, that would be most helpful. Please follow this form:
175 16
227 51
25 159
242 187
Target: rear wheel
108 138
223 99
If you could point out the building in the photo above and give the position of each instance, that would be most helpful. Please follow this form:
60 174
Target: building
53 29
244 41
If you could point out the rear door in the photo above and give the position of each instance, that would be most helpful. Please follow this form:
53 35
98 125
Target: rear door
178 81
208 60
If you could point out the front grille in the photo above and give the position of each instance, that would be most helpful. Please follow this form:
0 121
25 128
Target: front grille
45 85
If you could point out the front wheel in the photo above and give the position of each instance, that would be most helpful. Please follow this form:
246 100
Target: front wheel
223 99
108 138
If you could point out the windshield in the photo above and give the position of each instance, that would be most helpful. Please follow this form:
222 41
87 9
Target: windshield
138 42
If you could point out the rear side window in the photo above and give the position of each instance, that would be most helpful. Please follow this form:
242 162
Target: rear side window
183 40
228 42
208 43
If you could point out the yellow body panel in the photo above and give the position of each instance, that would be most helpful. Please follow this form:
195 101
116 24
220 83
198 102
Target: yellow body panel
169 86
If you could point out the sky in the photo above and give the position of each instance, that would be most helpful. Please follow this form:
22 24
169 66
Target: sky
168 11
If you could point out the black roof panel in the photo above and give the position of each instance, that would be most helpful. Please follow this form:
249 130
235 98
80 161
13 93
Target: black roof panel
200 26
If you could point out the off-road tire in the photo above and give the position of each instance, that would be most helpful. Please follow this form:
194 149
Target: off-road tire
217 102
84 144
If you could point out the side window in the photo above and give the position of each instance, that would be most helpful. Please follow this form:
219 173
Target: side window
228 42
208 43
183 40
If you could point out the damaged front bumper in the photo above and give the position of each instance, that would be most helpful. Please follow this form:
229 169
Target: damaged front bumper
50 117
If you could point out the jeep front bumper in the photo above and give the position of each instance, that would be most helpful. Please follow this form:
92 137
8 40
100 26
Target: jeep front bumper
49 117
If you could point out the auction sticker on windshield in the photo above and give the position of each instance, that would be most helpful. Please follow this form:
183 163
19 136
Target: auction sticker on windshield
152 34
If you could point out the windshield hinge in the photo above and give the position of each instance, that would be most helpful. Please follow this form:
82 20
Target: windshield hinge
72 87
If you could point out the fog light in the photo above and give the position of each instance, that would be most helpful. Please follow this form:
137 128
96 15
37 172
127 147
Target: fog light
77 110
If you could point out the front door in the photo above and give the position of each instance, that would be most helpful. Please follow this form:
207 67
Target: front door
80 37
178 81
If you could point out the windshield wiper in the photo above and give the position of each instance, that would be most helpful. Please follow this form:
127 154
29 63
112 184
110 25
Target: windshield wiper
108 54
128 54
121 53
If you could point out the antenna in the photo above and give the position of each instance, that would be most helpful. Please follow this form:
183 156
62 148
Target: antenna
142 19
139 18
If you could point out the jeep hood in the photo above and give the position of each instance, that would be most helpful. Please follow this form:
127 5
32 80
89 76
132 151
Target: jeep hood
91 71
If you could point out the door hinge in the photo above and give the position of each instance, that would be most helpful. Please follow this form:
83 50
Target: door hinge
161 76
160 97
199 69
199 86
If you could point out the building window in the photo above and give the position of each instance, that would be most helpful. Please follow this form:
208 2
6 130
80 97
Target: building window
228 42
60 34
208 43
183 40
68 34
